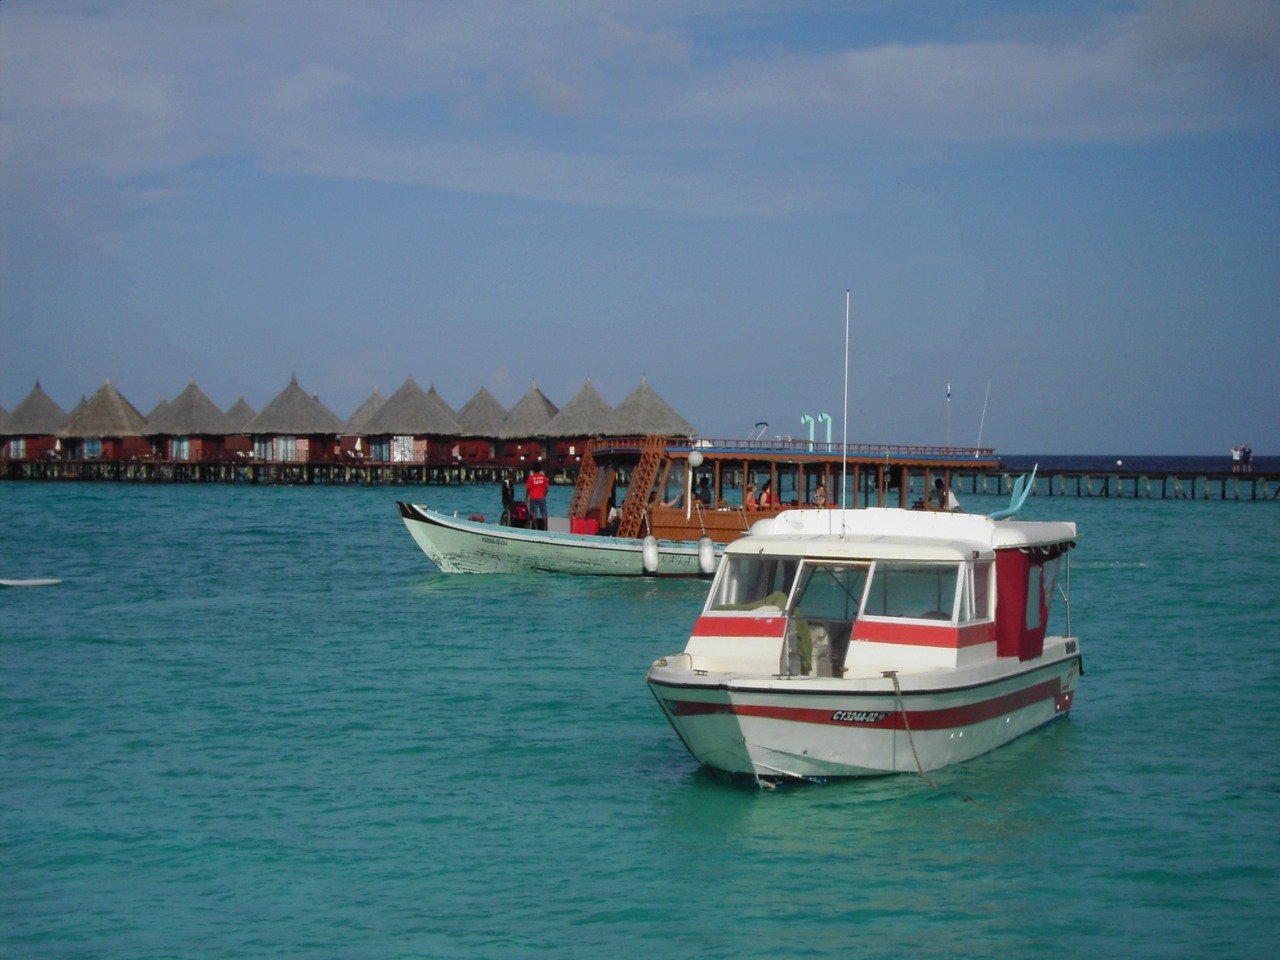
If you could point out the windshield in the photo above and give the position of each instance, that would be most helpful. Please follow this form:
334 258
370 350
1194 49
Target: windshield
748 583
831 591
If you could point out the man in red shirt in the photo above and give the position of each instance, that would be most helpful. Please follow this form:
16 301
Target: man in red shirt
535 487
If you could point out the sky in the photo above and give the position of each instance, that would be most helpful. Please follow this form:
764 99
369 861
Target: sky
1066 214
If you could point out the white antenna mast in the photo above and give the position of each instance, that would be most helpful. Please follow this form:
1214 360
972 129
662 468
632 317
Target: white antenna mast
983 422
844 445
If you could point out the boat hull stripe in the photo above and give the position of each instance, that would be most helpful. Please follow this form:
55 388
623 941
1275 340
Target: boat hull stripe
942 718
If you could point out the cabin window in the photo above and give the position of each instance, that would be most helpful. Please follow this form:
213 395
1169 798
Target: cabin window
831 591
975 600
92 448
922 591
18 448
747 583
672 492
180 448
262 448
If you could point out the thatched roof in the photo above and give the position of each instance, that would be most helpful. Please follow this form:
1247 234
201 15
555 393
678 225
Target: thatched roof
586 415
294 413
239 414
157 411
645 412
356 422
411 412
440 400
482 415
37 415
191 414
528 416
106 414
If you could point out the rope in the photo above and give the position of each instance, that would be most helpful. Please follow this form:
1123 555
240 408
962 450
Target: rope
893 675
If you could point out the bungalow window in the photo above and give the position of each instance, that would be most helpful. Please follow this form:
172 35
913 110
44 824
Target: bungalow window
921 591
180 448
92 448
18 448
402 449
286 448
262 448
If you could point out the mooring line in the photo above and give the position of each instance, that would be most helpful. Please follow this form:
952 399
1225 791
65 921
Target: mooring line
893 675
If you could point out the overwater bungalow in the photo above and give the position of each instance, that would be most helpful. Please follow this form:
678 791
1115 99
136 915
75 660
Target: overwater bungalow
31 429
586 416
106 427
412 427
294 428
480 419
354 442
520 436
191 429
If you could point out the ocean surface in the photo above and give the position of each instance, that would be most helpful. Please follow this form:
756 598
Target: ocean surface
255 722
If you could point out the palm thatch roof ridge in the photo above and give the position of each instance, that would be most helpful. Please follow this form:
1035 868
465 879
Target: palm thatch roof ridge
294 413
645 412
356 422
240 413
530 414
482 415
586 415
106 414
410 411
192 413
36 415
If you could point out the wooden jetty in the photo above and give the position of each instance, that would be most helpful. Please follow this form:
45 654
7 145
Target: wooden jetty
874 487
1143 485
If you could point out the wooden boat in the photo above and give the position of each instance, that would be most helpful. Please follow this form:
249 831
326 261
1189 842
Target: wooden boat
857 643
666 506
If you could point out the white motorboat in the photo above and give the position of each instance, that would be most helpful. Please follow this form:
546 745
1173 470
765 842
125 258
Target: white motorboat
855 643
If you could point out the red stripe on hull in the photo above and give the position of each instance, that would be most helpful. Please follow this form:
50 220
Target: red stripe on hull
943 718
770 627
924 634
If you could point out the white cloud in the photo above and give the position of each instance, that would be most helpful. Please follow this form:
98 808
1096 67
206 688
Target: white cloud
605 104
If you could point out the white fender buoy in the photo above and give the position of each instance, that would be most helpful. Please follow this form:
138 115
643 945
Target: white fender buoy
649 554
706 556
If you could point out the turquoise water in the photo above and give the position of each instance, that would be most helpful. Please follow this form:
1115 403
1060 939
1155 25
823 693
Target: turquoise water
253 722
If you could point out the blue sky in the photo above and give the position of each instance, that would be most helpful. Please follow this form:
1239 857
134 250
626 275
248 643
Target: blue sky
1075 207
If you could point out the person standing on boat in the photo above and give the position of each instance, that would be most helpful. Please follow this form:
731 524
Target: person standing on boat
535 487
749 498
820 497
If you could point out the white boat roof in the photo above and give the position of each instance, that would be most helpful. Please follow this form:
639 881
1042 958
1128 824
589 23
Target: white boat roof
887 533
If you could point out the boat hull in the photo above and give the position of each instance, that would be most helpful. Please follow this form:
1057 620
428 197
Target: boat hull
468 546
812 728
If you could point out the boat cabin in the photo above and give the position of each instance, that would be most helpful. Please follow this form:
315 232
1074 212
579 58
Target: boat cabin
679 489
845 593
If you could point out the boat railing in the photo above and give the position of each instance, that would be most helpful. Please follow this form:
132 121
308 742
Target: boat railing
792 445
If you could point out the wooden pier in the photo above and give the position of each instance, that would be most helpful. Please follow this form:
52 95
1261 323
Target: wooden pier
1142 485
873 486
